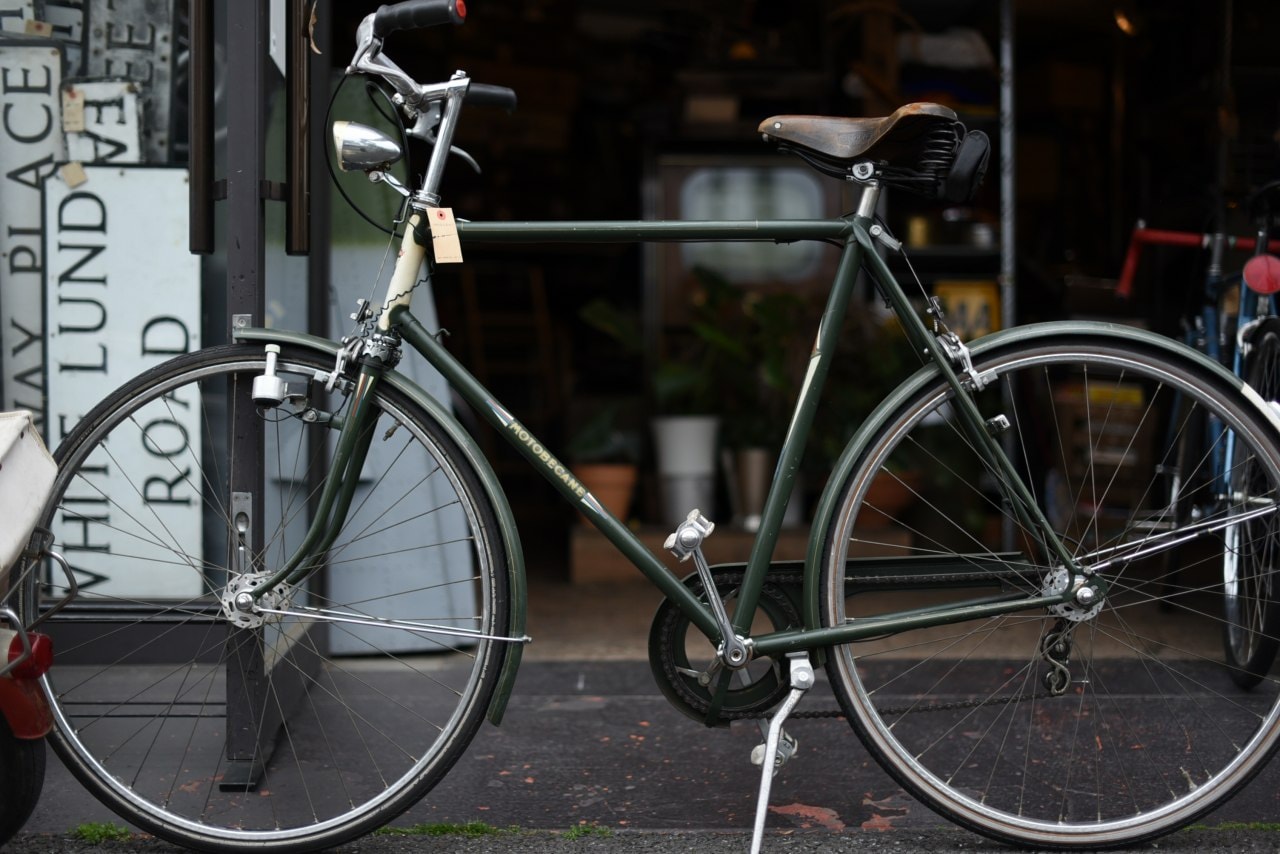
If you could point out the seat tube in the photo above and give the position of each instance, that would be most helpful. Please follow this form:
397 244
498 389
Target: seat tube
793 445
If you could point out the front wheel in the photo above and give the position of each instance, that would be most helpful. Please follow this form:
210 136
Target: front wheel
295 728
1093 724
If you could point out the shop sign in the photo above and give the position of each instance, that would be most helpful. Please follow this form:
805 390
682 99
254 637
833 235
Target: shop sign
133 40
102 121
30 145
123 295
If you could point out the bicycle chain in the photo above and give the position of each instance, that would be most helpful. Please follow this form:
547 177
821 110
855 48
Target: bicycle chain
792 578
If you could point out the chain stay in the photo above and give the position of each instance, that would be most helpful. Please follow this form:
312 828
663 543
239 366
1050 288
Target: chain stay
1002 700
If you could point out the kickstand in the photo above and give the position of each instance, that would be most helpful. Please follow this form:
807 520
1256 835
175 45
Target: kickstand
801 681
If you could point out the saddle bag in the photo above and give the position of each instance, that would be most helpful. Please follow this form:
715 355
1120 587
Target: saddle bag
967 169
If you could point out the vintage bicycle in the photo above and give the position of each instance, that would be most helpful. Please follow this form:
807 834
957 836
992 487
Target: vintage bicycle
1234 321
288 658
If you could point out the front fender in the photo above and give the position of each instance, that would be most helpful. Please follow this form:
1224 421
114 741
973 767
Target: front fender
1084 331
459 435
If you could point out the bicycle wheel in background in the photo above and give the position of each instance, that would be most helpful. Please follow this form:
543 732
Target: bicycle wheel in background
21 778
302 730
1251 552
1090 725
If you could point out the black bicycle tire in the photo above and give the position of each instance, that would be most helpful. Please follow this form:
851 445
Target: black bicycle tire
874 735
22 766
212 838
1192 468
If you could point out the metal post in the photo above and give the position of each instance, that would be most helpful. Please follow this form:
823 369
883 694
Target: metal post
263 686
247 32
200 134
298 144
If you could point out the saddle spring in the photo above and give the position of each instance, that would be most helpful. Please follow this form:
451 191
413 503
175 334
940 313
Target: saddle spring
933 161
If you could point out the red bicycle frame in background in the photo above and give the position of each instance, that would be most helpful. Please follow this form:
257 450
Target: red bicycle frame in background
1162 237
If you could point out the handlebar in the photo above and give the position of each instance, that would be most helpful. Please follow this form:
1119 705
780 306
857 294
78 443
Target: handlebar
486 95
414 14
433 108
1143 235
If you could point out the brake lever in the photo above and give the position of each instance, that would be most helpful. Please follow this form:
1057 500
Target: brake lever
424 128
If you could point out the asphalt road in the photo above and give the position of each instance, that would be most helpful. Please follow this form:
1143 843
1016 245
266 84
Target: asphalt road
594 745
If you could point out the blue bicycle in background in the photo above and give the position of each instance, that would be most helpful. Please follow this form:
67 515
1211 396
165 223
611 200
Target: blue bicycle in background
1236 324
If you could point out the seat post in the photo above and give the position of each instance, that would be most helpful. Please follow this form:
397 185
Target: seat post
870 198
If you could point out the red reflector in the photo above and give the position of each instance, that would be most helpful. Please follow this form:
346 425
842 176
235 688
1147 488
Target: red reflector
462 9
41 656
1262 274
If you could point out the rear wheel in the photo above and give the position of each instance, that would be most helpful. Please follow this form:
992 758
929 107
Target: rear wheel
1096 723
298 729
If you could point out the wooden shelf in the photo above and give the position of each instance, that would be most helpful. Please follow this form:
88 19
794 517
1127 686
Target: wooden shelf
593 559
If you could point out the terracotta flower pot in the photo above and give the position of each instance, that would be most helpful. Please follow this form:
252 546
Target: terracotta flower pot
613 485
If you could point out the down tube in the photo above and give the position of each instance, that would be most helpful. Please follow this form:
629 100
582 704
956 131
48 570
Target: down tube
556 473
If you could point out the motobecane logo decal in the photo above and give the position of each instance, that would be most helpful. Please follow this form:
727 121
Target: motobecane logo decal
561 473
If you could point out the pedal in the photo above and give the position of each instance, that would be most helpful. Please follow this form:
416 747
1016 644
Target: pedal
686 542
687 538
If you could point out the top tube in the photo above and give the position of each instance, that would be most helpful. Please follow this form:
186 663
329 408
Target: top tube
641 231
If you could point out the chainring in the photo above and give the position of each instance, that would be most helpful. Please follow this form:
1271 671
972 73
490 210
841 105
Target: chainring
670 637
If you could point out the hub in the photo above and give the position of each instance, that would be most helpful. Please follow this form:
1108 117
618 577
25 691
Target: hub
1085 603
243 611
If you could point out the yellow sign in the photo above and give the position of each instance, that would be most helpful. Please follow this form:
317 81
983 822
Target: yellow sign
972 307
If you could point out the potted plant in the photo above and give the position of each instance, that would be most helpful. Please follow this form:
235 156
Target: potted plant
872 358
757 333
683 394
605 459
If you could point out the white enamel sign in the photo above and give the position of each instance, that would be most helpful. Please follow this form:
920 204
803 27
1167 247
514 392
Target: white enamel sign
14 15
133 40
102 121
30 146
123 295
66 18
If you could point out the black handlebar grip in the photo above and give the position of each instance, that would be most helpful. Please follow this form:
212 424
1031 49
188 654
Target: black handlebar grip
413 14
484 95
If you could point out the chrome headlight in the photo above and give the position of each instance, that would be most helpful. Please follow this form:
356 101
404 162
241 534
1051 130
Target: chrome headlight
363 149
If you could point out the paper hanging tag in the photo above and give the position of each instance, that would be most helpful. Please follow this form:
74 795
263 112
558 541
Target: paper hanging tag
73 173
72 111
444 236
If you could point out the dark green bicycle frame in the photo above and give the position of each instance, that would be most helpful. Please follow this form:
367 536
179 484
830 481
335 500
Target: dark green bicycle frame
853 232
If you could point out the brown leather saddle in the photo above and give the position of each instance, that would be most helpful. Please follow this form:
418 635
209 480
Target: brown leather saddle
921 147
889 139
